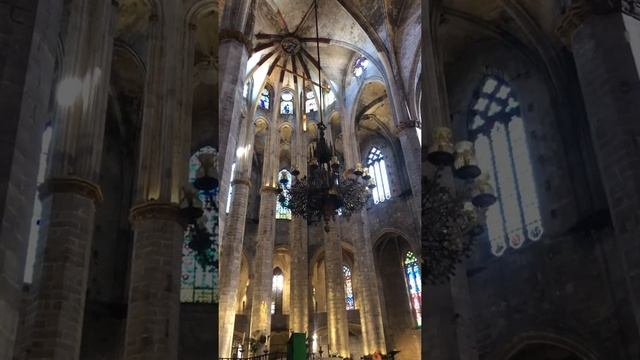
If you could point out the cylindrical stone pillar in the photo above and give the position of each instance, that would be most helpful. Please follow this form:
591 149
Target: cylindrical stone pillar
367 286
230 258
611 88
153 313
57 315
299 314
263 266
337 321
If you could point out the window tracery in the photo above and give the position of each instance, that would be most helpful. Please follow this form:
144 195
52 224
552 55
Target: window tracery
265 99
497 128
348 288
282 212
414 285
276 288
286 103
200 284
378 171
360 66
310 101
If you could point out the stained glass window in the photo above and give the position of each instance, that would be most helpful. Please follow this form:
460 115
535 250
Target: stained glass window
200 283
281 211
378 171
264 99
310 104
276 287
348 288
498 130
414 283
360 66
329 98
37 205
286 103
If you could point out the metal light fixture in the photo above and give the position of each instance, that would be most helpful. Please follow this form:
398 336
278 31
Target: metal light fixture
325 192
451 221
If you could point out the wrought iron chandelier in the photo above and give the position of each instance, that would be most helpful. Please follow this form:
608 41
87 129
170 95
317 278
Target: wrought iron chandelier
325 192
451 221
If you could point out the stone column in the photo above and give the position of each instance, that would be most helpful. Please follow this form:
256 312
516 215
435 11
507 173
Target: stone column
412 154
298 242
233 53
154 291
29 43
367 285
448 339
337 321
263 263
232 242
611 89
70 193
153 312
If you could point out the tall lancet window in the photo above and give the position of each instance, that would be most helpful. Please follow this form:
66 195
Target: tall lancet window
281 211
230 194
378 171
286 103
348 288
414 285
199 284
265 98
498 130
310 101
276 288
37 205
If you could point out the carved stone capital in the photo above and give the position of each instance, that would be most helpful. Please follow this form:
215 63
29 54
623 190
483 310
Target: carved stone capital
74 185
270 189
246 182
406 125
575 16
154 210
234 35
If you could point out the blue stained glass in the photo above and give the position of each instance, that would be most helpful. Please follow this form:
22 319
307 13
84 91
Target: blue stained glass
264 99
348 288
200 284
414 282
282 212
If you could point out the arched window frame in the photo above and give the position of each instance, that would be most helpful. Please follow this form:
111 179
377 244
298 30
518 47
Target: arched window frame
286 103
283 213
311 102
360 66
497 128
349 297
264 101
413 279
198 284
377 167
277 289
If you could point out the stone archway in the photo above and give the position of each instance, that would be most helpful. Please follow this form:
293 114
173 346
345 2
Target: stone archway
544 351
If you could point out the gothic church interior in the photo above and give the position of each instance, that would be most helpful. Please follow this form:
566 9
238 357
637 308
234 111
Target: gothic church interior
161 158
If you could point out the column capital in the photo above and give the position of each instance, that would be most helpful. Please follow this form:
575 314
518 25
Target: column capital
235 35
241 181
72 184
154 210
406 125
581 10
269 189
